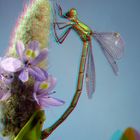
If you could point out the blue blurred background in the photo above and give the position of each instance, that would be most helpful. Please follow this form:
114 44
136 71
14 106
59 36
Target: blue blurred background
115 104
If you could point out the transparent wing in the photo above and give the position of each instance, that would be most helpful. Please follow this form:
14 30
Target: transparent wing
111 42
90 73
111 61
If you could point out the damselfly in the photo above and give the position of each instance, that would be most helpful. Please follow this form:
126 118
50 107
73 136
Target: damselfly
110 43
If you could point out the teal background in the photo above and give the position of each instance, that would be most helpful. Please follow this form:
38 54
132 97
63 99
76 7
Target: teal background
115 104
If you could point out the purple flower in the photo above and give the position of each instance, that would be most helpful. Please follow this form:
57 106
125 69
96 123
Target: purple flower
42 92
10 64
30 58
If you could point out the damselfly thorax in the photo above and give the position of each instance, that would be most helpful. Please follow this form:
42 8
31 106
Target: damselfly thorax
82 30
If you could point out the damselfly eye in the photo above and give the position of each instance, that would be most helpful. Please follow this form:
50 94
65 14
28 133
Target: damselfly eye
72 13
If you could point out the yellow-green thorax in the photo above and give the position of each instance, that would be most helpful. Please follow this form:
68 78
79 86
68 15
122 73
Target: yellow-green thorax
83 30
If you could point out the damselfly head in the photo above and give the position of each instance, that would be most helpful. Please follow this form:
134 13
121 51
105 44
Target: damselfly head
71 14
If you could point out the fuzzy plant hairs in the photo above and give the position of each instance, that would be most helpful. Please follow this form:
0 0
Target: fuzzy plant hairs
26 87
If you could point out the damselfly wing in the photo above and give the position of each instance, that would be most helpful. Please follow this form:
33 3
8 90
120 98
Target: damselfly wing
112 46
90 72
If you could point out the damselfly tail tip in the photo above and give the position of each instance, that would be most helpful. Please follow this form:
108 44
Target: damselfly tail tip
90 95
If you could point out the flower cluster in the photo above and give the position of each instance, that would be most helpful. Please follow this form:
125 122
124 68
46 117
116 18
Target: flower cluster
26 66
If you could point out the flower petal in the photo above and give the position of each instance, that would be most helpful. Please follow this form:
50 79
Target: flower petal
45 73
24 75
54 101
20 49
35 97
37 73
11 64
36 85
32 50
46 101
51 81
43 54
33 45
